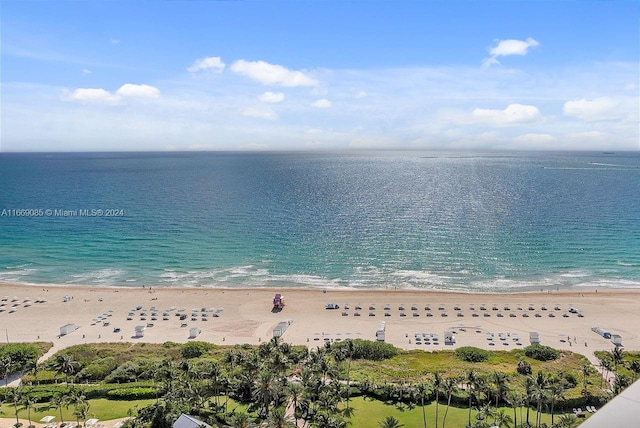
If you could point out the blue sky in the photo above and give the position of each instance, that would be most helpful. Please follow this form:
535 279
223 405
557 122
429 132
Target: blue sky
271 75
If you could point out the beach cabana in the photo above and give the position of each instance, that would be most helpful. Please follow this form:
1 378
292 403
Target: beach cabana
449 338
534 338
67 328
139 331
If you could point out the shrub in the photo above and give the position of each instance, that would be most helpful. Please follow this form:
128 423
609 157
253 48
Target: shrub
131 394
472 354
127 372
98 370
20 354
195 349
541 352
368 350
524 368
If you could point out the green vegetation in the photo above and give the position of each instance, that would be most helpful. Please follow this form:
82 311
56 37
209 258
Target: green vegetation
356 382
541 352
100 408
15 357
472 355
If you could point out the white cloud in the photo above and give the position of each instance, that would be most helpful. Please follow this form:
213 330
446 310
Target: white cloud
86 71
602 108
513 114
321 103
261 114
361 94
272 74
115 41
212 63
93 96
102 96
507 48
138 91
271 97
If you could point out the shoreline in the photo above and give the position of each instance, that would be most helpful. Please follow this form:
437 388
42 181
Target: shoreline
529 289
238 316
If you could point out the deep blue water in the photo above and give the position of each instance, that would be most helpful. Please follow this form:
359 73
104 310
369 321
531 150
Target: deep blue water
446 220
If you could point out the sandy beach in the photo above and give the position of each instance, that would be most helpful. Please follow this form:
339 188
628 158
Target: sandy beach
563 319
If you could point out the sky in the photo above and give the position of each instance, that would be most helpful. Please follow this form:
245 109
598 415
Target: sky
319 75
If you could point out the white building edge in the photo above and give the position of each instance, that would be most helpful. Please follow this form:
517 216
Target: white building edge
621 411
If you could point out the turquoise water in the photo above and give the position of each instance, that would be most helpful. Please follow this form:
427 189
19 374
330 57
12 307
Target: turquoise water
456 221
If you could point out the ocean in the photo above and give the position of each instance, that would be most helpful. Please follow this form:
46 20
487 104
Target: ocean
495 221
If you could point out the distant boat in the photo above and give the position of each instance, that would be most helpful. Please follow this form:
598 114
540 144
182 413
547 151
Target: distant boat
608 153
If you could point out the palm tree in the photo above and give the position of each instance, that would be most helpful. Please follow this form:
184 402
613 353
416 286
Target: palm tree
33 366
59 400
27 403
529 384
422 390
585 371
502 419
15 394
437 384
515 400
450 385
540 394
350 349
620 382
471 380
555 388
634 366
80 404
264 390
390 422
241 420
66 365
5 368
499 380
617 356
568 421
279 419
295 391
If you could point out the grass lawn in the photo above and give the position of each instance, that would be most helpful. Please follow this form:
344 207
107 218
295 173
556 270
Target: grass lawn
411 365
369 413
101 408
